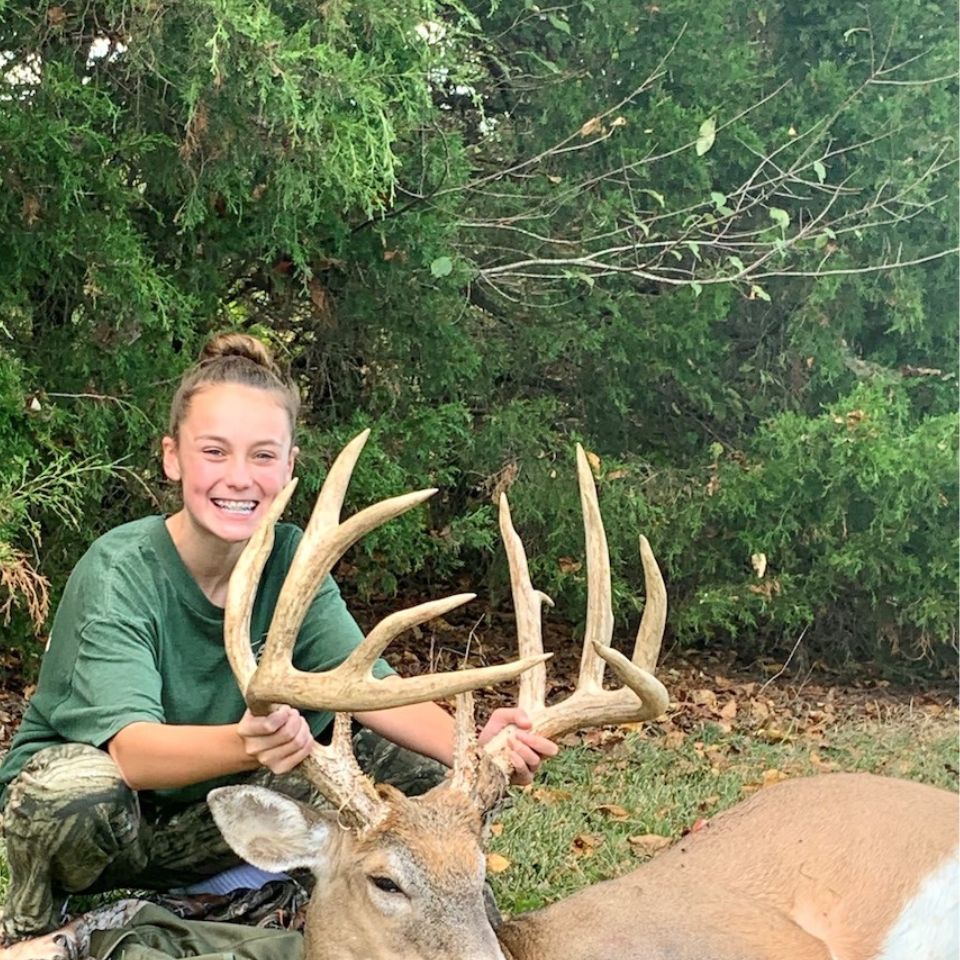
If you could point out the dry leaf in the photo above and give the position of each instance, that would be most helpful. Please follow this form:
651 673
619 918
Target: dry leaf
30 210
594 461
772 776
496 863
584 844
648 844
496 829
705 698
759 563
548 796
614 811
568 565
773 734
592 127
617 474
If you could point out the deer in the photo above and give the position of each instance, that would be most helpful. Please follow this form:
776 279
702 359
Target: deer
830 867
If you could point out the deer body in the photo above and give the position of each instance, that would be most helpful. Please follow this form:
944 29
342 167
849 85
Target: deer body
815 869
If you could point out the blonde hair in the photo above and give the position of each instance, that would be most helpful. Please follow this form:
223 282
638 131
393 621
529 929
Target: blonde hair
234 358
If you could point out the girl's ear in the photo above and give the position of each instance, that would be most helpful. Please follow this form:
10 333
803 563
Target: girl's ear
171 462
294 453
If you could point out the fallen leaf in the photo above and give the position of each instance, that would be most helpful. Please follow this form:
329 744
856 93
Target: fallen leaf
647 844
592 127
729 710
496 863
614 811
548 796
569 565
771 777
584 844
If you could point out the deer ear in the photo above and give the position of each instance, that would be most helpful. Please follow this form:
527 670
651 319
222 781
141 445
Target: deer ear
272 831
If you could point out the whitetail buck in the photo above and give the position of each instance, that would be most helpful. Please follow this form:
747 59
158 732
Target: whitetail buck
836 867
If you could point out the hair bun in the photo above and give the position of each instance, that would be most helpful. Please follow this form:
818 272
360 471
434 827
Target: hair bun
238 345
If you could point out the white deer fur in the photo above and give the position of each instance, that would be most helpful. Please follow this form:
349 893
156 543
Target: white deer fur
837 867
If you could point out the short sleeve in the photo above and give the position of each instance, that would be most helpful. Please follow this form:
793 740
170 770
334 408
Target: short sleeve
115 681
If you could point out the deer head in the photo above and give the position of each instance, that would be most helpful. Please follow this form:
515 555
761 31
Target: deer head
400 877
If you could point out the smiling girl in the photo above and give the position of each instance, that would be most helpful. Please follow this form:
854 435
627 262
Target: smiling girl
137 715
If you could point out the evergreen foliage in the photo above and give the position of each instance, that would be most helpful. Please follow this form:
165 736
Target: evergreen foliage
671 232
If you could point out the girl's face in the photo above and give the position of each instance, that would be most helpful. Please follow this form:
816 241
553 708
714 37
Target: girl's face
234 454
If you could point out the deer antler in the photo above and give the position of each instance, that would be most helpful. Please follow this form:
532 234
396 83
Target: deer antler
642 697
351 686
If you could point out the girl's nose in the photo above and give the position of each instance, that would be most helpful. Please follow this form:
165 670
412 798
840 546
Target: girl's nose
238 472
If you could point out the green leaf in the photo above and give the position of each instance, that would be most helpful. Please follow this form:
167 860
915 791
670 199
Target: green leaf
657 196
696 287
820 170
706 135
441 267
558 24
736 262
780 217
719 199
757 292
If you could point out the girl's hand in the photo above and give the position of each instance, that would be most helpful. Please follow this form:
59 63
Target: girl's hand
278 741
527 749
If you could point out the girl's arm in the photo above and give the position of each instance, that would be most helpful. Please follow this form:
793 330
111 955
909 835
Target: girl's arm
160 756
428 729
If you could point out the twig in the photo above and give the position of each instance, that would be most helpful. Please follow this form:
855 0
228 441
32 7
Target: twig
786 663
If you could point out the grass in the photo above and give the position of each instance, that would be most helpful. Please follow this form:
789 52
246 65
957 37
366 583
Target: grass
573 827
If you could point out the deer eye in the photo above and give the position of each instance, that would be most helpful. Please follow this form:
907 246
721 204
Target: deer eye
385 884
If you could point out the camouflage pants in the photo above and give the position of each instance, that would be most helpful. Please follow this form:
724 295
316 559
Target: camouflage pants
71 825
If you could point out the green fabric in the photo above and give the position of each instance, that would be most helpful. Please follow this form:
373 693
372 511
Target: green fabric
156 934
135 639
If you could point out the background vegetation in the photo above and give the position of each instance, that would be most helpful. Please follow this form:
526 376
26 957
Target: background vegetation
706 239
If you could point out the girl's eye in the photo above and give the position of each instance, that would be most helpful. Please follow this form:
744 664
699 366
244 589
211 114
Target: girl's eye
385 884
213 452
265 455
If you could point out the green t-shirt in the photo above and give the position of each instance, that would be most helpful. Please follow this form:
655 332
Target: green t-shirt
136 639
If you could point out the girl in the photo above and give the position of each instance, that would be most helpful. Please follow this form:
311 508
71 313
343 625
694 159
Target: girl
137 716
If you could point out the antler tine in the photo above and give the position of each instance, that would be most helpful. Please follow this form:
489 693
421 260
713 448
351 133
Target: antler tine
242 591
642 697
335 772
528 604
465 760
324 541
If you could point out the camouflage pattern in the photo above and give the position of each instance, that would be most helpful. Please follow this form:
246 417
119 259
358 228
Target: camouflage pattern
71 825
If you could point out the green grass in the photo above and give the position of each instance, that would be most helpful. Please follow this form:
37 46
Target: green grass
572 828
